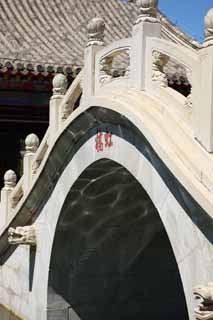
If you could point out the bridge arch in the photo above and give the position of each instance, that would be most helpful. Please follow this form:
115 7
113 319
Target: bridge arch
174 205
113 251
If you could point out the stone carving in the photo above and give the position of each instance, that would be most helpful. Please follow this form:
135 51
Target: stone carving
105 69
10 179
147 10
59 84
115 66
127 71
158 63
31 143
209 27
188 101
82 81
66 111
16 197
204 311
22 236
96 28
36 164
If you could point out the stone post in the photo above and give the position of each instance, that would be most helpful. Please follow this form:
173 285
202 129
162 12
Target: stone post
9 184
146 25
59 90
202 99
96 29
31 146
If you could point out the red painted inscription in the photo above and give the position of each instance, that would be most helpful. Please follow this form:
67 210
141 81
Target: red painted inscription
103 141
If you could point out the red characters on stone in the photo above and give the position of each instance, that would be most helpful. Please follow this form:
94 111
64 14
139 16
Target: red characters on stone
99 146
103 141
108 140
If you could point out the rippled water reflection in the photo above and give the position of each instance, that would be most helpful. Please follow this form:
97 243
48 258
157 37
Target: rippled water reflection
111 257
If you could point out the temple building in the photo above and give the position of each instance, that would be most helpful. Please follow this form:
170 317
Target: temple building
42 38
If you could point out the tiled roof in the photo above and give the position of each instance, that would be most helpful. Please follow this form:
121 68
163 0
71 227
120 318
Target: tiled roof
48 35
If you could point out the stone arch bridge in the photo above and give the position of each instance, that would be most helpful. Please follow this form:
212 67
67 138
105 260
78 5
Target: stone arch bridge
112 217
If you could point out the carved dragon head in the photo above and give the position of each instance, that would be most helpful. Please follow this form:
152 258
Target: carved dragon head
22 236
204 311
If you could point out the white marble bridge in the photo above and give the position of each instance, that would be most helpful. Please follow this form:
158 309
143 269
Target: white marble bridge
112 217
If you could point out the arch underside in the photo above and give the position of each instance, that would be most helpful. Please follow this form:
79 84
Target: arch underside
111 255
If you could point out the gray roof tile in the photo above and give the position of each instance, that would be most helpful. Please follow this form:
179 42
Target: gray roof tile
54 32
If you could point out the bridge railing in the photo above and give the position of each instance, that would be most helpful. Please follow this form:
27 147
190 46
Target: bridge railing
159 54
17 193
112 63
71 98
62 103
148 56
140 60
40 154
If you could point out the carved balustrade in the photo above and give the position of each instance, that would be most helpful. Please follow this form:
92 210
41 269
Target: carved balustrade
170 62
62 104
113 63
40 154
71 97
167 54
17 193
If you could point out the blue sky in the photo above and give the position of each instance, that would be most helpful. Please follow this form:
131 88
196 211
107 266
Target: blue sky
188 14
